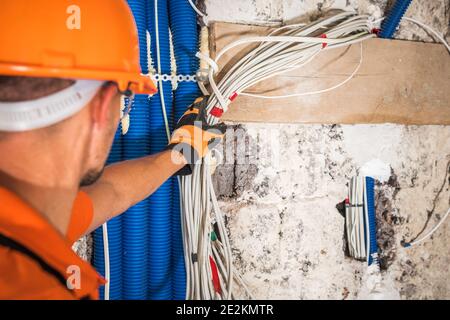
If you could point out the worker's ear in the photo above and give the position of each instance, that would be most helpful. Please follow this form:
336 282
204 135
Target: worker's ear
101 105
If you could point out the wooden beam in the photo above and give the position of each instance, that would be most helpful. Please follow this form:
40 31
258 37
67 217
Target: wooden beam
398 82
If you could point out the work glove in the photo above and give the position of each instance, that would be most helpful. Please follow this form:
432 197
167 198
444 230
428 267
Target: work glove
193 137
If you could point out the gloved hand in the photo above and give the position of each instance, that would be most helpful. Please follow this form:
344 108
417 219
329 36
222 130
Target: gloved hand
193 137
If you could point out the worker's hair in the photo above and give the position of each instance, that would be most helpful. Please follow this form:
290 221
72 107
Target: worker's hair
14 89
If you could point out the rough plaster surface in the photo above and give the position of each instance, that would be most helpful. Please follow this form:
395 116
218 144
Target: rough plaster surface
435 13
286 233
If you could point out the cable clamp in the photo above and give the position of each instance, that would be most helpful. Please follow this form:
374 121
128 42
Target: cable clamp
194 257
208 60
355 205
215 67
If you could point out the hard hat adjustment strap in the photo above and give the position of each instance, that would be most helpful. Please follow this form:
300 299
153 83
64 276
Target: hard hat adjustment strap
49 110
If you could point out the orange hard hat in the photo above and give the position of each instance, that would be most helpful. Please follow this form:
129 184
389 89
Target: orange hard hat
82 39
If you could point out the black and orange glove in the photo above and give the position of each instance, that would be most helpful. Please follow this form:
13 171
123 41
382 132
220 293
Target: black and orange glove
193 137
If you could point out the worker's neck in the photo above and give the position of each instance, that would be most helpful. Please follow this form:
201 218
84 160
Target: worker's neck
41 178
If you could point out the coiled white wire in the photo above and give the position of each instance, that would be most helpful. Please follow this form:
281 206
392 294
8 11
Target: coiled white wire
287 49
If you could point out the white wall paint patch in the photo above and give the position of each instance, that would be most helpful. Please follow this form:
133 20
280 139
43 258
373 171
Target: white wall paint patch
366 142
376 169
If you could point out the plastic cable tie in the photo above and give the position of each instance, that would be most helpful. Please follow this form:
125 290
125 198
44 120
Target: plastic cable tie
216 112
233 96
324 36
210 61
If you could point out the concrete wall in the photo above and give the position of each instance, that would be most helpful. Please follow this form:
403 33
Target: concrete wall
286 232
288 236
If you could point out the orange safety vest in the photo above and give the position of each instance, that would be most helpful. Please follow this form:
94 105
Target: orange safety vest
36 261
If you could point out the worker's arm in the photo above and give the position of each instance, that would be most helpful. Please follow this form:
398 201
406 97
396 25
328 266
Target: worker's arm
124 184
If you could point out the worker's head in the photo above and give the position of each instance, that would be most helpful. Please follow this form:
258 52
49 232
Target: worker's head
96 41
85 137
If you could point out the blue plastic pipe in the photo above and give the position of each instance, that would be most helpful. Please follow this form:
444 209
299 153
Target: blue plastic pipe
114 238
373 246
148 236
159 224
135 235
391 22
183 25
137 144
139 10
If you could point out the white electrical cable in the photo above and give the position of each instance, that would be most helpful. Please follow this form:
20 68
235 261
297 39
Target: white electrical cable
294 48
416 242
106 257
437 35
160 84
340 84
356 219
199 12
424 26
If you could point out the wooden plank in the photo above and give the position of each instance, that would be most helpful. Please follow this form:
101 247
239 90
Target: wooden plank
398 82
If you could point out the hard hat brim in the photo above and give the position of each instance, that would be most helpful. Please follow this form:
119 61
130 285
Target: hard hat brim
138 83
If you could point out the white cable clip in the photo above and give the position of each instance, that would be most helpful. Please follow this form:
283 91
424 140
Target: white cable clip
210 61
215 68
125 121
205 20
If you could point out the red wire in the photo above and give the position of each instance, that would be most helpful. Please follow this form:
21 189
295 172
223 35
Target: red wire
215 275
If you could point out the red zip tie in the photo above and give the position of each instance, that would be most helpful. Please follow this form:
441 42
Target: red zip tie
233 96
376 31
216 112
324 36
215 275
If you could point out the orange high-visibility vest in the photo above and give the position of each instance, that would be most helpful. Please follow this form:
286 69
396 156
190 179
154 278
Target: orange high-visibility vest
36 261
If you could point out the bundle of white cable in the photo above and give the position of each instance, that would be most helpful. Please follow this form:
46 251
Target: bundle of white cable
206 239
355 218
285 49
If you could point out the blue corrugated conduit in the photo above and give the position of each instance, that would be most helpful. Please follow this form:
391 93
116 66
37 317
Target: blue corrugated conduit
114 238
159 224
152 243
135 235
137 144
139 9
391 22
373 246
183 25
